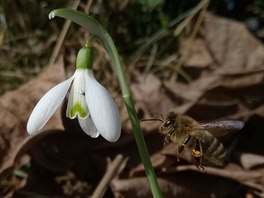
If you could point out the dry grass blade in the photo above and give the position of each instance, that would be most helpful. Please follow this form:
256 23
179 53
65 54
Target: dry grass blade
185 17
204 5
109 175
62 36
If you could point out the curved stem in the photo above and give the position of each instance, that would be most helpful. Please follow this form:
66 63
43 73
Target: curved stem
94 27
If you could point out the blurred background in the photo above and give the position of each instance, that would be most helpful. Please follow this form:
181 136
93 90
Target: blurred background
200 58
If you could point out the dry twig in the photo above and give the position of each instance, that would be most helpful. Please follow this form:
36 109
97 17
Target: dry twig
109 175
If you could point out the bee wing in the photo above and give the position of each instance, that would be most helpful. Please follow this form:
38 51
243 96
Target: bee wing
222 127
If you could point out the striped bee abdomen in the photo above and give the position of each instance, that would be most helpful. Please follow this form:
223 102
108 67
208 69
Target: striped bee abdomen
213 150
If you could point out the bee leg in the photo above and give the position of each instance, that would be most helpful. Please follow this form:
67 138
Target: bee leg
182 146
197 162
197 155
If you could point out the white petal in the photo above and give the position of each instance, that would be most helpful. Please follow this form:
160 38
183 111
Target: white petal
47 105
88 127
102 108
77 104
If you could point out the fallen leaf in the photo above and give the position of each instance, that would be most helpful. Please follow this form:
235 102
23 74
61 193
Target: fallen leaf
250 160
15 108
187 184
151 99
231 45
197 52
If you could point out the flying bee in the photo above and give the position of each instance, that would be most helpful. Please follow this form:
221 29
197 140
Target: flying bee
198 137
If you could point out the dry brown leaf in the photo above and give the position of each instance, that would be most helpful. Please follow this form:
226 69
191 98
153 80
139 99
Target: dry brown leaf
250 160
226 45
242 81
191 93
200 56
151 100
234 88
187 185
237 61
232 171
15 108
148 91
250 179
232 46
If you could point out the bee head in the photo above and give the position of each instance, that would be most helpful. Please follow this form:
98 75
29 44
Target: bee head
168 124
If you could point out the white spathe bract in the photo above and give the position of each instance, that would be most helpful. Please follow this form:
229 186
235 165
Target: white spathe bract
102 108
89 101
47 105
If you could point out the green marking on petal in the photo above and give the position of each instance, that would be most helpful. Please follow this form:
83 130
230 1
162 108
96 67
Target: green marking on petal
79 110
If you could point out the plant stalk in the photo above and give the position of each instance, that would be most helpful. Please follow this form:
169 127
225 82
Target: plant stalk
94 27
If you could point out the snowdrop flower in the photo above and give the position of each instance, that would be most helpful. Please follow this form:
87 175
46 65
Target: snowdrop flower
89 101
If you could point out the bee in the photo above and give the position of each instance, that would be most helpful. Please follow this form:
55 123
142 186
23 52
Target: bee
198 137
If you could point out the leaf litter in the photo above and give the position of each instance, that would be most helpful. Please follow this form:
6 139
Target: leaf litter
16 107
225 64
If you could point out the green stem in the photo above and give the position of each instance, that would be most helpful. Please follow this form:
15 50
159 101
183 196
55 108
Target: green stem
94 27
142 147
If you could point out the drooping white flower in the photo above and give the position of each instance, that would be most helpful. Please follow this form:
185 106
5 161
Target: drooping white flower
89 101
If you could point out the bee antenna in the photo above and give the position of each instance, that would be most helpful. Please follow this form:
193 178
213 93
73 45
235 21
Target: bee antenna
152 119
159 114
